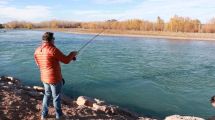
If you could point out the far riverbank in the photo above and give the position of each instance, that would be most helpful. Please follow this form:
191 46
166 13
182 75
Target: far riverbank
132 33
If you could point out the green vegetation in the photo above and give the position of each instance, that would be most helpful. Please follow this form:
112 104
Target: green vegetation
175 24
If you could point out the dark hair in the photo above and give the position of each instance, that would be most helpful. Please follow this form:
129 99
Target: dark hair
48 36
212 99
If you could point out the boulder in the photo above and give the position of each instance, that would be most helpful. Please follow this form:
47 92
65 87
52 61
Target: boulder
178 117
83 100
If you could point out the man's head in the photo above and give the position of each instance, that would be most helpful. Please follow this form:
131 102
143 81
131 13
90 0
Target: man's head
48 37
213 101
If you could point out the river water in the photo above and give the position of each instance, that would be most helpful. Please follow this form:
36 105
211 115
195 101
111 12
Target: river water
150 76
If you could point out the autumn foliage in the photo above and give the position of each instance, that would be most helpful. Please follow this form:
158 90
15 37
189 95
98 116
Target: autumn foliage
175 24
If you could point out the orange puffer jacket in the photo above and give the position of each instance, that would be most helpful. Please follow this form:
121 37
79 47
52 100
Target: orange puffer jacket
47 58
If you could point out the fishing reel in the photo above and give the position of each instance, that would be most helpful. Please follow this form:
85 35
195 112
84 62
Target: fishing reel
74 58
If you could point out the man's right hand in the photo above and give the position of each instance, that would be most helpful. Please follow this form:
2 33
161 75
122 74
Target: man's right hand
74 53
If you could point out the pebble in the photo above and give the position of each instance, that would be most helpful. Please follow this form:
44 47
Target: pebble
10 83
11 102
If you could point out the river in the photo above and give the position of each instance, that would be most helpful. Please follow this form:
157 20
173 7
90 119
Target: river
150 76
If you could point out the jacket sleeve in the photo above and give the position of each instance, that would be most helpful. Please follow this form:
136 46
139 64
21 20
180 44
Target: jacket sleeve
61 57
35 58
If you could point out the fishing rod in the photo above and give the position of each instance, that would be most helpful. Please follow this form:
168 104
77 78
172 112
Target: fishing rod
94 37
87 43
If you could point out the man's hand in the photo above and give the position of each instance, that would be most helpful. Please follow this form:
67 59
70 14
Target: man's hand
74 53
74 58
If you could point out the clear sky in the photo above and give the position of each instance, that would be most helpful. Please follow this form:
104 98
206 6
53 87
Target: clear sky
96 10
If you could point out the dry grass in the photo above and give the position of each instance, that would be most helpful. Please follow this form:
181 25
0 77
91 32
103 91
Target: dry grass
133 33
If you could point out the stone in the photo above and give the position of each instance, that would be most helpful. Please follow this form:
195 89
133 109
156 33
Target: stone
17 82
11 102
112 110
10 78
100 107
99 102
27 88
40 93
83 100
5 87
10 83
145 118
3 78
38 88
178 117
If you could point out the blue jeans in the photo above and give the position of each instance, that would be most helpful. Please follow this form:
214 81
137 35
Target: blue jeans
54 90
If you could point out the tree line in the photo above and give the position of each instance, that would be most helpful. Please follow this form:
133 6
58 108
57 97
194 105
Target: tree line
175 24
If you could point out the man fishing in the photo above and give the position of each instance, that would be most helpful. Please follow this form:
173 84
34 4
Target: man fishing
47 58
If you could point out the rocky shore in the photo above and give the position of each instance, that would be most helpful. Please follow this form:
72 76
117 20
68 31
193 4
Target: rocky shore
19 102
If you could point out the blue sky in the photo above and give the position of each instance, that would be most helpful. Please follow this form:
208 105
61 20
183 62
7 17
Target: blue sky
98 10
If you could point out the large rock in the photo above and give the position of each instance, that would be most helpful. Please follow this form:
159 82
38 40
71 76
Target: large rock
178 117
83 100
